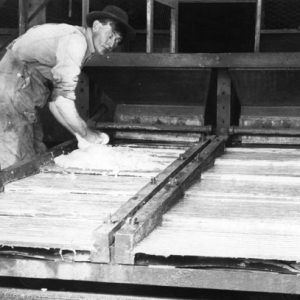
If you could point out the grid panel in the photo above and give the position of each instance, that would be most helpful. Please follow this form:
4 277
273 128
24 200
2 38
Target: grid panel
281 14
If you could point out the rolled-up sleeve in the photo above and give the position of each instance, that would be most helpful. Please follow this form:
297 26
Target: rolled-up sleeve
70 55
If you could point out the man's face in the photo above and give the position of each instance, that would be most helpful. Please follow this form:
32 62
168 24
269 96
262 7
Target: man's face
105 38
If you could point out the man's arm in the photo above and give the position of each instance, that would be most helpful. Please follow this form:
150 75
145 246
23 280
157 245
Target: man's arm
64 110
69 56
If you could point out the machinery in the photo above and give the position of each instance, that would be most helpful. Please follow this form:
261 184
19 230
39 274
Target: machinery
222 211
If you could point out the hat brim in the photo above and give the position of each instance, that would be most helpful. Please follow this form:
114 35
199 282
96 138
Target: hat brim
94 15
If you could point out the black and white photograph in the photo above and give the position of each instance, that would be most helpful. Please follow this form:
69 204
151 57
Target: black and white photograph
150 149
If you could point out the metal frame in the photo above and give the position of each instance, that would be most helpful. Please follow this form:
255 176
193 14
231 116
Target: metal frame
152 128
223 102
228 279
144 221
272 60
104 235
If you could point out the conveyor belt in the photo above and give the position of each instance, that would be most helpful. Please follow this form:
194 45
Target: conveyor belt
246 206
61 208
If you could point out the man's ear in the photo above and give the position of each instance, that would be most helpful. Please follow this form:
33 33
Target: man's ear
96 25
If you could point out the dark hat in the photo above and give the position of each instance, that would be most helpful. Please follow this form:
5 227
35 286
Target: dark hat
115 13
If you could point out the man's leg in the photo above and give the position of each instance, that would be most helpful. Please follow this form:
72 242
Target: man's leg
16 137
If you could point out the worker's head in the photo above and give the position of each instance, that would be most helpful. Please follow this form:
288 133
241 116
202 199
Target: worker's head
109 27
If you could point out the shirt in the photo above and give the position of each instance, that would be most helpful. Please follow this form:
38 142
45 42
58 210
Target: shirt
58 52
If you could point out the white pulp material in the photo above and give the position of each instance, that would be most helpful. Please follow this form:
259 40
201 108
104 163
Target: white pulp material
110 158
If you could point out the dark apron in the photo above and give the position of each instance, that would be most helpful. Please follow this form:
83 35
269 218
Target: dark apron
22 89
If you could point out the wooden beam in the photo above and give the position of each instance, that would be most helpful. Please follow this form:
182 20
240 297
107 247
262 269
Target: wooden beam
258 18
104 234
174 29
199 60
219 279
223 102
150 26
30 167
150 215
23 16
85 11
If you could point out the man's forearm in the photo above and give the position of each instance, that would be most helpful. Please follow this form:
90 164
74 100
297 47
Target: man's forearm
64 110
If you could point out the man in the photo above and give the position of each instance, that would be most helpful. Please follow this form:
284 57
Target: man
46 61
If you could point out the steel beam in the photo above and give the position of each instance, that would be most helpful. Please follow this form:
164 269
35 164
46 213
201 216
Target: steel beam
84 11
173 3
23 16
174 29
220 279
274 60
150 26
288 132
152 128
223 102
258 20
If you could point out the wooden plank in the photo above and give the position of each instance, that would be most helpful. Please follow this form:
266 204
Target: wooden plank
199 60
258 20
69 206
233 214
234 280
150 215
150 26
223 102
30 167
104 234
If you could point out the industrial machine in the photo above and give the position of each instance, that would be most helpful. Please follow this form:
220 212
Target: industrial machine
222 211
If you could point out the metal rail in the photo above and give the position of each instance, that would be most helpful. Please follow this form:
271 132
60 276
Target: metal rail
153 128
265 60
220 279
288 132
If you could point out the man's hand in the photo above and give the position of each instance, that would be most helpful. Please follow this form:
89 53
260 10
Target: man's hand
92 138
96 137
